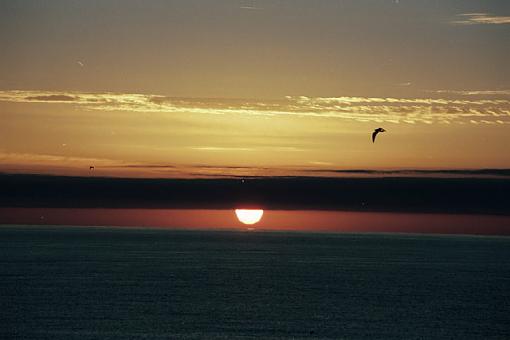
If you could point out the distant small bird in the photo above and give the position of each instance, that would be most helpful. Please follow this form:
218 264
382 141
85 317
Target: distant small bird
80 63
92 168
376 131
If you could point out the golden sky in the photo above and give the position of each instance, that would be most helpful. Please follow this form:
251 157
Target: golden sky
193 88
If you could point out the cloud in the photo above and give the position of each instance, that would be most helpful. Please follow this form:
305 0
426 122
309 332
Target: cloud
144 166
251 8
320 163
219 148
44 159
15 162
475 92
446 110
82 98
480 18
418 172
249 5
51 98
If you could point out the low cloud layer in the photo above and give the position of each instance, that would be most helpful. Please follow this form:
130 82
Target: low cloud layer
484 109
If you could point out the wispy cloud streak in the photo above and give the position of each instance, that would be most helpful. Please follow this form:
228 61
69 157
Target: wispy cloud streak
480 19
219 148
474 92
484 110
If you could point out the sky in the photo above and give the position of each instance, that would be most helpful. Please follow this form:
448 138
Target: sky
272 220
261 87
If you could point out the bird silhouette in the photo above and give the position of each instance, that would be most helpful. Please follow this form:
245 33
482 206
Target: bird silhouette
376 131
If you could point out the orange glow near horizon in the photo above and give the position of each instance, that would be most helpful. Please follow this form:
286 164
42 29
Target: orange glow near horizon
249 216
274 220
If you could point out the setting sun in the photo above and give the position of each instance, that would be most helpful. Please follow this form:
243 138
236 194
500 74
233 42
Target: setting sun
249 216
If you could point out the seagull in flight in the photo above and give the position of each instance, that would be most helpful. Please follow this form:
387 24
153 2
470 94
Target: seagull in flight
376 131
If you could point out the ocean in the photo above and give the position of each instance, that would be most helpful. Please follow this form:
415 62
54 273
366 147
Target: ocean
70 282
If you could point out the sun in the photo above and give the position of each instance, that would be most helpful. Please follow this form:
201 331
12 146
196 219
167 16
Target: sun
249 216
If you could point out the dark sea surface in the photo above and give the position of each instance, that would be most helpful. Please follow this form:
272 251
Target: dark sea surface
129 283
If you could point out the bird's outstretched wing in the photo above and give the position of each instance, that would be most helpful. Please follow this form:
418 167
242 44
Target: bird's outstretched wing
373 135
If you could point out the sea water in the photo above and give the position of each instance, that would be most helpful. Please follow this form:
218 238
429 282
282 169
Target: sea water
129 283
